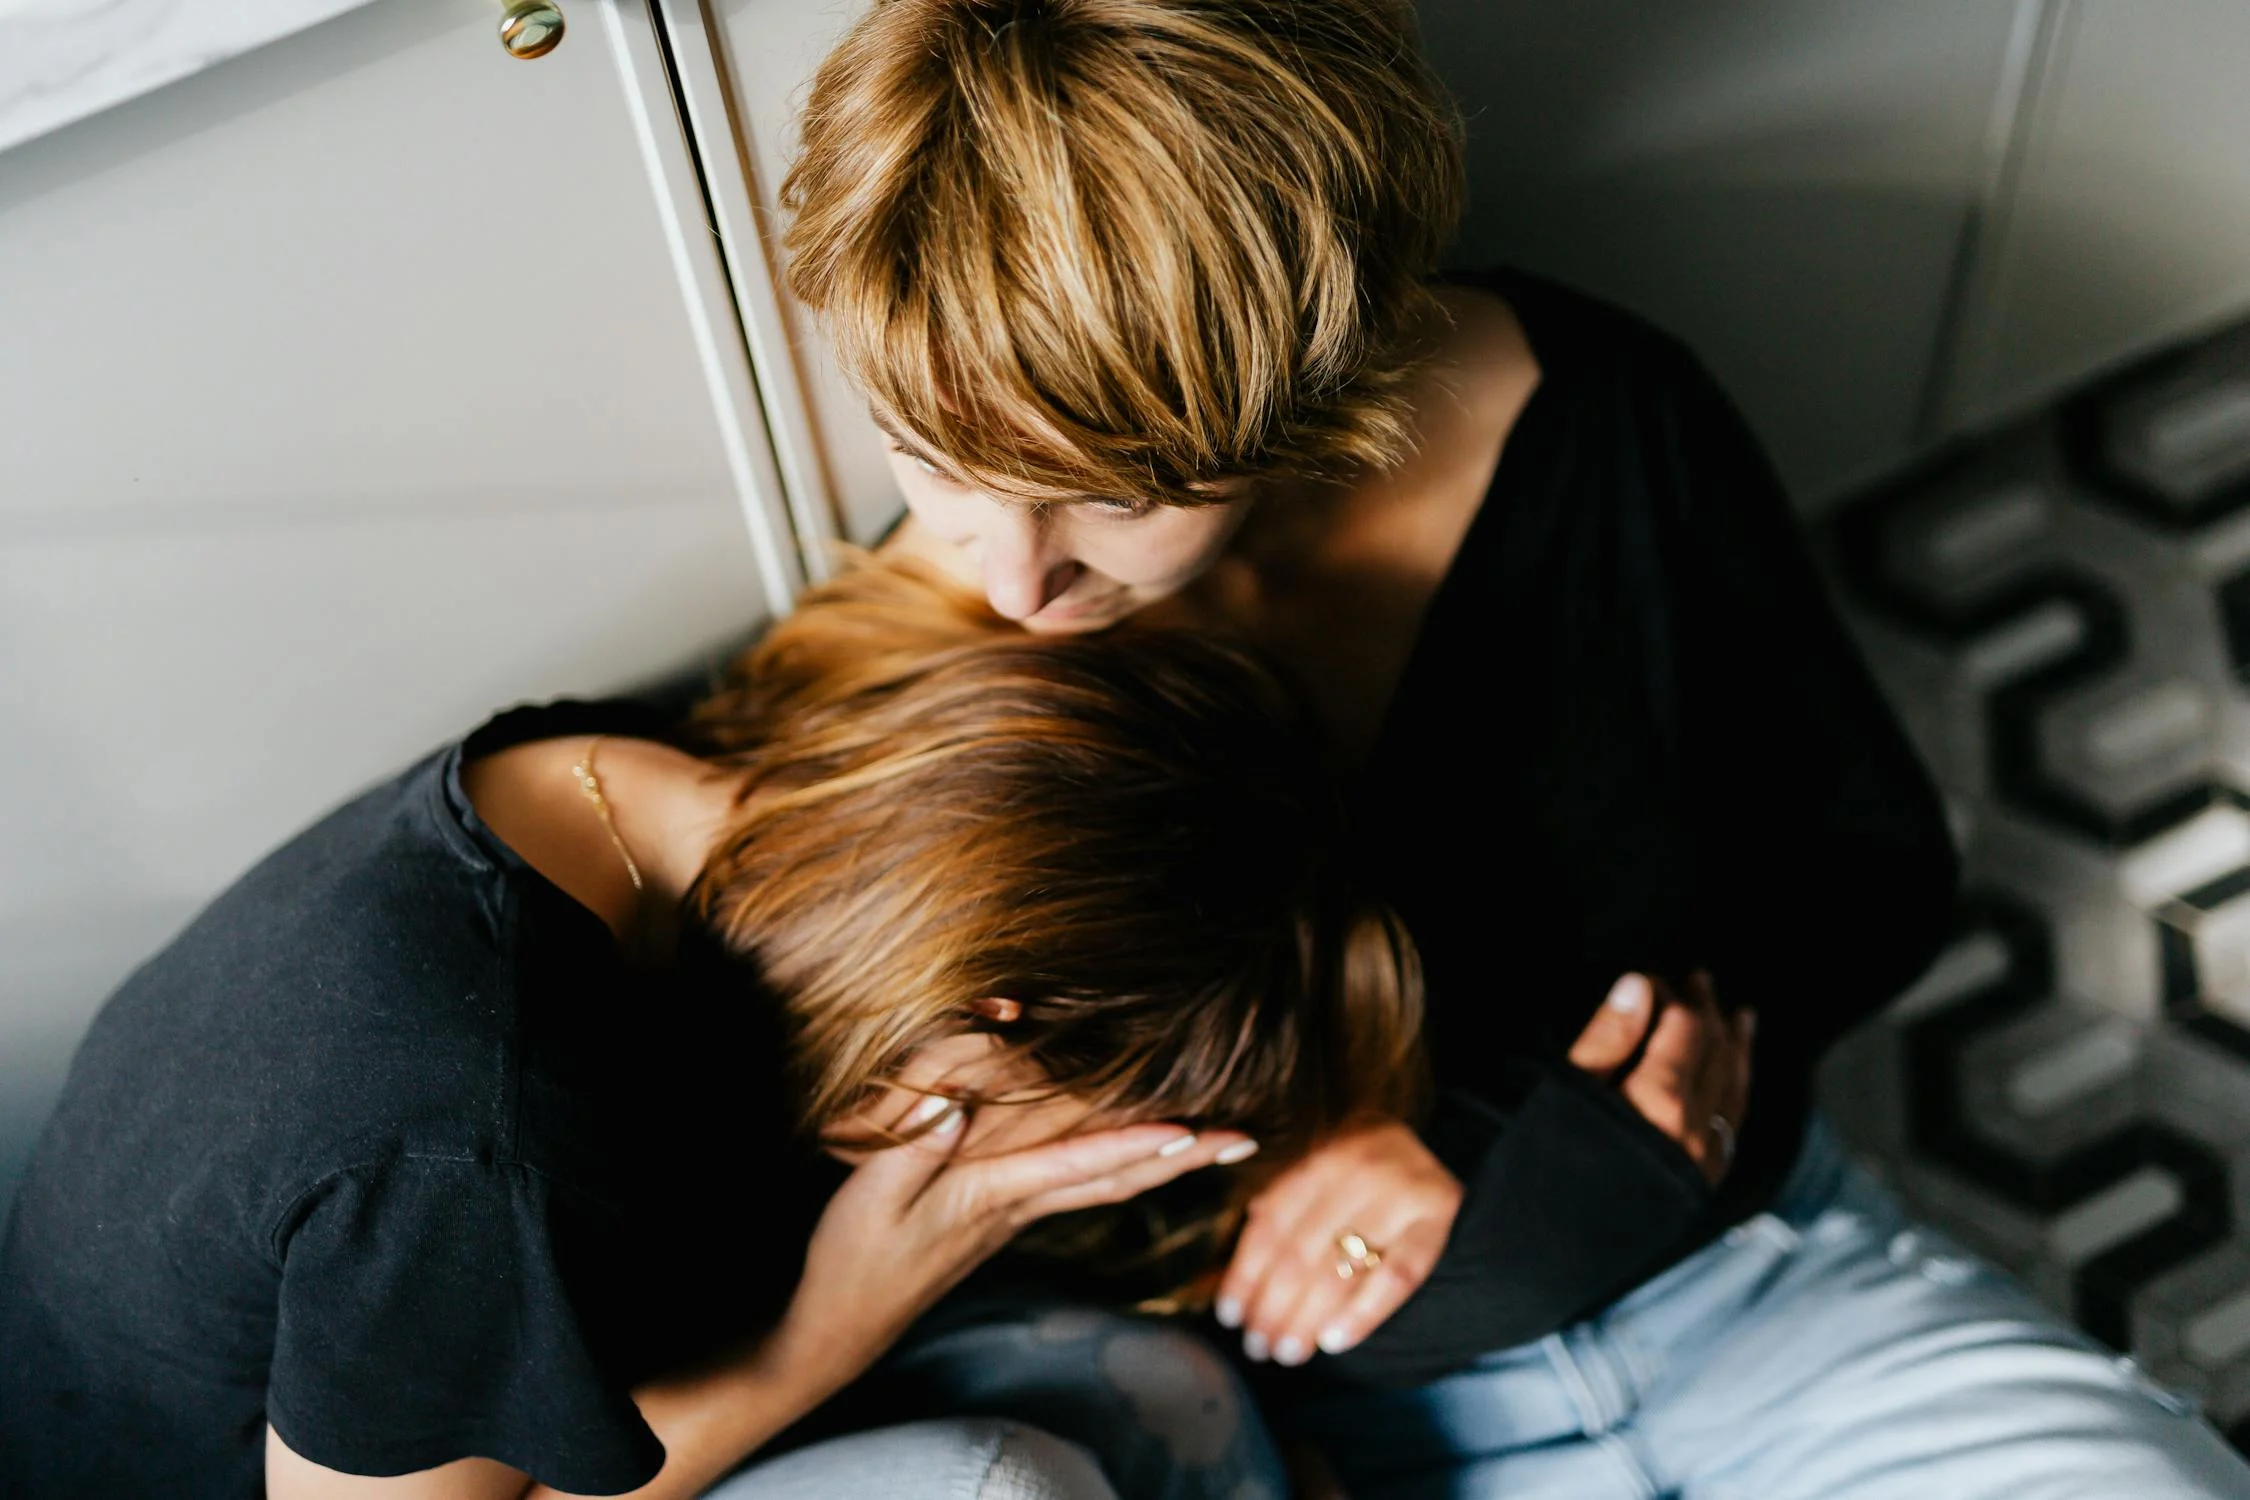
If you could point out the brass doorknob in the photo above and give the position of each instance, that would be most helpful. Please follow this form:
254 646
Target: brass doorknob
530 28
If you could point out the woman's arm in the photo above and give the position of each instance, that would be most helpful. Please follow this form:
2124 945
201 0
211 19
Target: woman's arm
710 1422
904 1228
289 1476
707 1423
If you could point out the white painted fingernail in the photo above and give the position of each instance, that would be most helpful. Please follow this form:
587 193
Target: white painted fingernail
949 1123
1291 1351
1254 1347
1228 1310
1625 995
929 1109
1334 1340
1240 1151
1176 1145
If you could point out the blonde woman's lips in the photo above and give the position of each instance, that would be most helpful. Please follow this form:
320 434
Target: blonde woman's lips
1077 616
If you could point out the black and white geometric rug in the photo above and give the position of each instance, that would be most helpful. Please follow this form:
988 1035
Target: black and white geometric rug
2061 612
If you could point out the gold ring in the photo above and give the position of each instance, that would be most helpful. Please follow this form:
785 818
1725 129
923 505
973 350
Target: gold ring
1355 1255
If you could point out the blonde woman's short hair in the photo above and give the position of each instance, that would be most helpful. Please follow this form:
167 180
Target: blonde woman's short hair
1127 249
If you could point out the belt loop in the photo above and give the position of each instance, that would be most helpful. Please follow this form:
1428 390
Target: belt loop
1599 1381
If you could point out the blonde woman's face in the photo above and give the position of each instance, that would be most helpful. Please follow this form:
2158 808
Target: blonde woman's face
1066 567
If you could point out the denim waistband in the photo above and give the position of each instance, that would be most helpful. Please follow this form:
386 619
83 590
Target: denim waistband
1584 1379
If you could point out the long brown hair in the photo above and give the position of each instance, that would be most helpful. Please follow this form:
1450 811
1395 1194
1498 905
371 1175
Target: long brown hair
1136 835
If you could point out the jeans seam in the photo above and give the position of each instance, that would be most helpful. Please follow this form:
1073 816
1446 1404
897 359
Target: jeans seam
1628 1463
1644 1367
990 1461
1592 1418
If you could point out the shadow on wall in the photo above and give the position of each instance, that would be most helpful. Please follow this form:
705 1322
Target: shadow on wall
1780 183
1785 184
1832 370
1847 378
48 988
1880 225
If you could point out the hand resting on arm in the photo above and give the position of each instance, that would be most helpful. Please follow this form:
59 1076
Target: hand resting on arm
1677 1058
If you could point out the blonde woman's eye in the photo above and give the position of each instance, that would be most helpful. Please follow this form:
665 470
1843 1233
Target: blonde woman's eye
1122 510
919 461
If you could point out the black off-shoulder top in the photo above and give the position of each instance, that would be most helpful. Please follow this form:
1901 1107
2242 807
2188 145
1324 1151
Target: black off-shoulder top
1632 735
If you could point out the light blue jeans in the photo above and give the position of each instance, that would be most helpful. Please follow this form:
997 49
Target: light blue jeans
1826 1350
996 1398
941 1458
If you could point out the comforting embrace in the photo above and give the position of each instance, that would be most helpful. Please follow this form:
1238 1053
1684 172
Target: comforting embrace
1273 939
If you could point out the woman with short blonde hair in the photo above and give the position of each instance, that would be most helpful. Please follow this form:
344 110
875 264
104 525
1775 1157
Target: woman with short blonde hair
1146 296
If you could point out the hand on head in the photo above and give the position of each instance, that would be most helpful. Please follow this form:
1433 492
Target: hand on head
914 1219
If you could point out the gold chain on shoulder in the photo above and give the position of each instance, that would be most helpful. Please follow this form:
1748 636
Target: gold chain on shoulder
591 785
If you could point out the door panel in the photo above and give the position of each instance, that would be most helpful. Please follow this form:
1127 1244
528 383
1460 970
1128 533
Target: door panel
347 392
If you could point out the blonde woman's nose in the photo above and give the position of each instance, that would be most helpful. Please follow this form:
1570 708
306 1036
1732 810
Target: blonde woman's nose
1023 572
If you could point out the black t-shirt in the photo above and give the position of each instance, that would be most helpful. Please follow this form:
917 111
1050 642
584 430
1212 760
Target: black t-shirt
1632 735
390 1149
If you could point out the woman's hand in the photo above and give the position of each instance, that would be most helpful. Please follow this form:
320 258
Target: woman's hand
1693 1080
912 1221
1285 1287
905 1227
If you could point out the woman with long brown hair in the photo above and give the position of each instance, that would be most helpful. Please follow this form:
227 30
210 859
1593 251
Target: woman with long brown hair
1146 295
491 1134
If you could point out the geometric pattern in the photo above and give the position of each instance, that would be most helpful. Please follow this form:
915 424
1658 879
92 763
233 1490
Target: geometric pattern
2060 611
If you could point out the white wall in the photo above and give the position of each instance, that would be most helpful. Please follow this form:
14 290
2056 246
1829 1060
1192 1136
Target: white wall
2126 214
346 393
1784 183
1880 224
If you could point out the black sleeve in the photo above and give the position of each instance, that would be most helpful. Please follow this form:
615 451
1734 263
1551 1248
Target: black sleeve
424 1317
1804 860
1571 1197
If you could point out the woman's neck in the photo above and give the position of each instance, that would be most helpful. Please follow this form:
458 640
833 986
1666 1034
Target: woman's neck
1334 579
665 807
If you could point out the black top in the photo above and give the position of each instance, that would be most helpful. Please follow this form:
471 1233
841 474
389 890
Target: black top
390 1149
1632 735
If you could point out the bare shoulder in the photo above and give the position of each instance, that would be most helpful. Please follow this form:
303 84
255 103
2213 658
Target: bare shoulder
1466 398
511 788
529 796
1484 364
